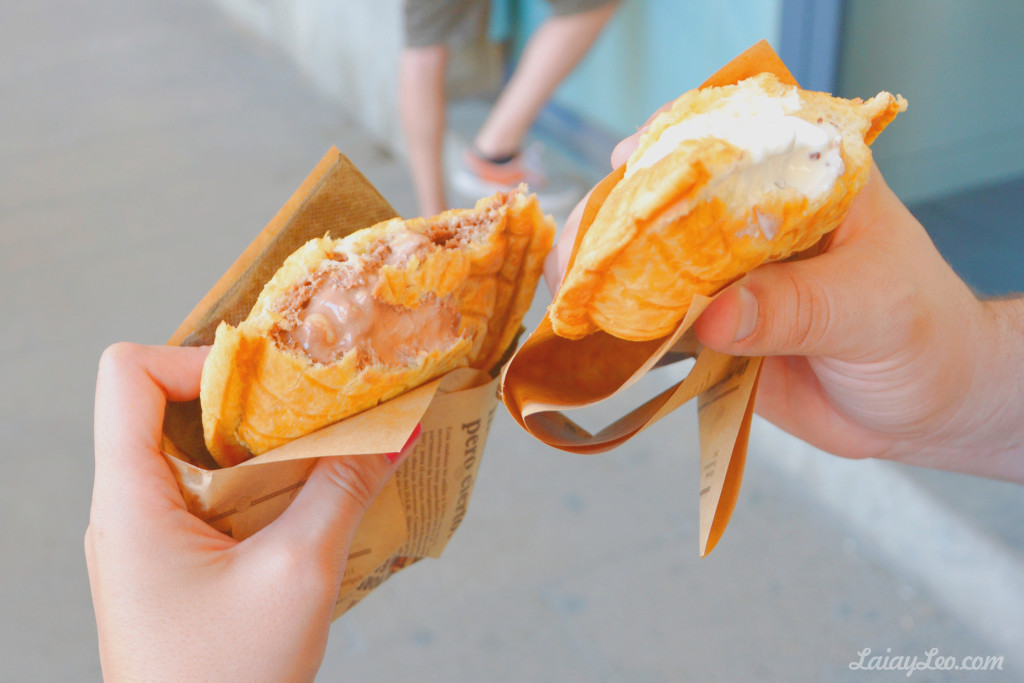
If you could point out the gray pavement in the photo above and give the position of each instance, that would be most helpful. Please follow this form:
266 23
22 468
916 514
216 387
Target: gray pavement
143 144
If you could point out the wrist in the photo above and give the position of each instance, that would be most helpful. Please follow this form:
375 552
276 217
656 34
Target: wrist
998 387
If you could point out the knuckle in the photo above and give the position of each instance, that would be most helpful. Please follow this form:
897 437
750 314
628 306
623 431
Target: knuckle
117 356
812 314
87 541
301 567
916 321
358 477
293 560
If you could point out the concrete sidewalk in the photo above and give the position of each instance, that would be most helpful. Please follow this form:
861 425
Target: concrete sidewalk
143 144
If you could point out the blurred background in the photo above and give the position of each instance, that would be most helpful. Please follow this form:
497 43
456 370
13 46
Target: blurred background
144 143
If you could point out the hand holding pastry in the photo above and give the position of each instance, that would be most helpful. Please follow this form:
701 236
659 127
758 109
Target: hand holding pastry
177 600
877 349
874 348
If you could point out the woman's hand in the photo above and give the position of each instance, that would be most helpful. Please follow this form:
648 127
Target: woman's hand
176 599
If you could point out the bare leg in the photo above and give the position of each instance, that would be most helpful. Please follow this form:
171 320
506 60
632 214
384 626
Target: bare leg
555 48
422 106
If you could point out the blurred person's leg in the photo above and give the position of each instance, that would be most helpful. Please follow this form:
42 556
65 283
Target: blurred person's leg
553 51
422 108
430 27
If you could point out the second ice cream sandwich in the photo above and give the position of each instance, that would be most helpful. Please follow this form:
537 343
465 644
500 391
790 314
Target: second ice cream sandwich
726 179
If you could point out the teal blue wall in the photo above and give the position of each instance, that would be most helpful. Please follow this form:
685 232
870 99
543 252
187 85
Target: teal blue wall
650 52
961 67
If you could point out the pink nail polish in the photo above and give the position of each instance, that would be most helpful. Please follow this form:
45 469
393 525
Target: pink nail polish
409 443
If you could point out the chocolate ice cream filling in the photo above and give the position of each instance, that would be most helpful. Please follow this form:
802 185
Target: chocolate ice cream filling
337 312
338 319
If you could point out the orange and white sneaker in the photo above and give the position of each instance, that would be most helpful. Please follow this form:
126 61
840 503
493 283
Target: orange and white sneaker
476 176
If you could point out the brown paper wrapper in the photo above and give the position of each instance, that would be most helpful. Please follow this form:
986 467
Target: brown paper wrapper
423 504
600 366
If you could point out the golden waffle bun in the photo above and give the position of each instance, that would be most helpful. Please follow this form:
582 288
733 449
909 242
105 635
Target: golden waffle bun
348 323
726 179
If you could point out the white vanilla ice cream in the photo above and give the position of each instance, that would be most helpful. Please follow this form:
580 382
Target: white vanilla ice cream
781 150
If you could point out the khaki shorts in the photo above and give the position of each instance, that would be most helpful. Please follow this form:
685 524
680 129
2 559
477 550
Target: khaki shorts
460 22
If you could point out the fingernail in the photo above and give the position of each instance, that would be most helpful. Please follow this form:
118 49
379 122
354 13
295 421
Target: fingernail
409 443
748 315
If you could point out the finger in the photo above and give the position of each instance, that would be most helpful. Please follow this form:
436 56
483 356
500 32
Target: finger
819 306
557 259
133 386
323 518
627 146
810 307
625 149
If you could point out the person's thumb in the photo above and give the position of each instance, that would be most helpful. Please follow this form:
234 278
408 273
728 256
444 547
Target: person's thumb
782 309
321 522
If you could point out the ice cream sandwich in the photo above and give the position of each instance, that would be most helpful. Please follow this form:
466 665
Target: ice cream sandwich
347 323
726 179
